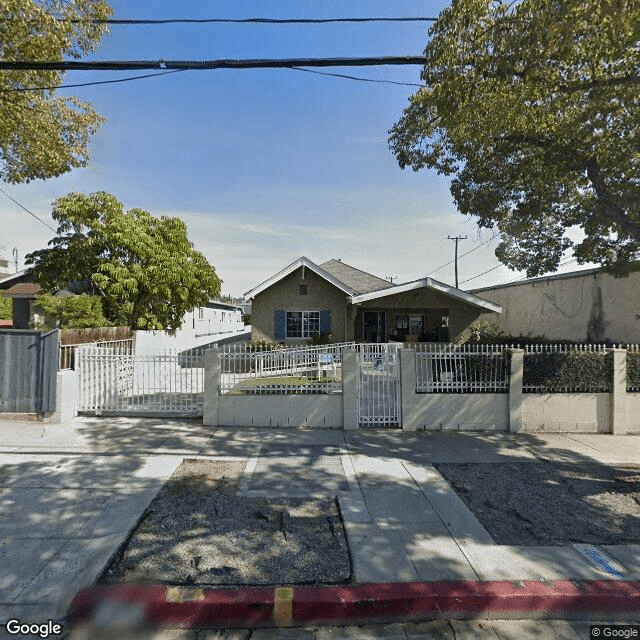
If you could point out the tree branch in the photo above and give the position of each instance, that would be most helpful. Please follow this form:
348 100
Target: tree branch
613 209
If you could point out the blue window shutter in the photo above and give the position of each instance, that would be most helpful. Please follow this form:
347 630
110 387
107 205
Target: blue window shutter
325 322
280 325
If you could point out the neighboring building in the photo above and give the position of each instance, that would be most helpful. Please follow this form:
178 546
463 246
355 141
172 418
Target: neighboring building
215 322
23 292
582 305
349 304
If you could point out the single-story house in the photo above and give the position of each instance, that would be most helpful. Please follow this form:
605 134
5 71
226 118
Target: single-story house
334 298
580 305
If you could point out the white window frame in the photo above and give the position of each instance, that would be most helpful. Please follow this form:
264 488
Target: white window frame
309 324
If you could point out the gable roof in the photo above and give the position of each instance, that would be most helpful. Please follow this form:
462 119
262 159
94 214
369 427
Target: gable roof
436 285
296 264
361 286
360 281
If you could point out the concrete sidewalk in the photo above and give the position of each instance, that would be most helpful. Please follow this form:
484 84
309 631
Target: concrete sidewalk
70 493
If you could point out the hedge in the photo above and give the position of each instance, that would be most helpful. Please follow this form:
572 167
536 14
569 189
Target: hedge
573 371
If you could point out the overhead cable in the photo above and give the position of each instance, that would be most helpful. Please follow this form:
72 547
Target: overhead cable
125 21
132 65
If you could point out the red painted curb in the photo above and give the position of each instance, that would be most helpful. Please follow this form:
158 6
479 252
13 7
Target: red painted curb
366 603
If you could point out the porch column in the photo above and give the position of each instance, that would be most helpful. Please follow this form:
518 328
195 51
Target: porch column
515 390
407 389
211 387
349 389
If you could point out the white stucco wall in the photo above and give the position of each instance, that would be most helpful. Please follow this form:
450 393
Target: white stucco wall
567 412
278 410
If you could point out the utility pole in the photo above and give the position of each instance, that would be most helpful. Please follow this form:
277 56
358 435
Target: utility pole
456 238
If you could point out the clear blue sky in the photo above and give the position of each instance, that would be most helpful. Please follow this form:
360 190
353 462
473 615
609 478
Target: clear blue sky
266 165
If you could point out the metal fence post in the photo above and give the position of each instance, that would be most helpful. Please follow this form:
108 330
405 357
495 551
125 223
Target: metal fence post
516 421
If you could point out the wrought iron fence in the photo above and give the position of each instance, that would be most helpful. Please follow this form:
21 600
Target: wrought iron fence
566 368
165 382
448 368
303 369
633 368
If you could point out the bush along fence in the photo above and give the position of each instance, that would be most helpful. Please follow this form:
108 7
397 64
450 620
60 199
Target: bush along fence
556 388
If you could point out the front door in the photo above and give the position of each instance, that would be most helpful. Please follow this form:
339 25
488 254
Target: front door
373 326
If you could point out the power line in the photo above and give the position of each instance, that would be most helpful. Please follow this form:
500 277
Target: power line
133 65
91 84
125 21
481 274
342 75
27 210
466 253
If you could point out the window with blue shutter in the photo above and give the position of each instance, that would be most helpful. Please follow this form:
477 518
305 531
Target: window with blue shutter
325 322
280 325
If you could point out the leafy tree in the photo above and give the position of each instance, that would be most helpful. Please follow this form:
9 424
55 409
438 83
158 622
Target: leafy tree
532 107
43 135
72 312
144 269
6 307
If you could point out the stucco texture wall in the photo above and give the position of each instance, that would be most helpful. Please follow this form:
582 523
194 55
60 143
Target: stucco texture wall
595 307
285 294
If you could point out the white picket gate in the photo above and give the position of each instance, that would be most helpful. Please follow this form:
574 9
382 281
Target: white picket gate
378 386
164 383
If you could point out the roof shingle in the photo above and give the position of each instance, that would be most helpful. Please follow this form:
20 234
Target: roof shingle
359 281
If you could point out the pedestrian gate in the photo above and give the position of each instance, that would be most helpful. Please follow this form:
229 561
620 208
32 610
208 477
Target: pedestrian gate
378 387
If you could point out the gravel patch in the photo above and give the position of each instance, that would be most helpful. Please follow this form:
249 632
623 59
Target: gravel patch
197 530
551 503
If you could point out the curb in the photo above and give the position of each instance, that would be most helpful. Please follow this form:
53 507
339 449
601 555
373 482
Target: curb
364 604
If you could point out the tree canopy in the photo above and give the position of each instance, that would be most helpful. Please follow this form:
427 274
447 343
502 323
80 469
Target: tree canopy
43 135
144 268
71 312
532 108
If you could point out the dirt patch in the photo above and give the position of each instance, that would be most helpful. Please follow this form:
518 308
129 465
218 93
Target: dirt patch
549 503
197 530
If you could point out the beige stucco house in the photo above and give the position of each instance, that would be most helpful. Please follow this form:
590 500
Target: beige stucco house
335 298
581 305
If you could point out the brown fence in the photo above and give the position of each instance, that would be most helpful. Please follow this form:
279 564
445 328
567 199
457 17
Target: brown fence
83 336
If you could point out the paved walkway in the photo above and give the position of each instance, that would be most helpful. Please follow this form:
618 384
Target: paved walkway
70 493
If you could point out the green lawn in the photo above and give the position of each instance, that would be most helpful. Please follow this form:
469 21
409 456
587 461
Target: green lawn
272 384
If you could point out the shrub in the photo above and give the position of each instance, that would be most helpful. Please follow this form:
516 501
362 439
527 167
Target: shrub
320 339
633 369
575 371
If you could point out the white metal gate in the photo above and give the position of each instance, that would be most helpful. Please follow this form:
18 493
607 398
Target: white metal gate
165 382
378 387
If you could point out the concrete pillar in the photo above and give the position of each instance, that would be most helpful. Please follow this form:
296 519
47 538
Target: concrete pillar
66 397
515 390
349 389
619 392
408 389
211 387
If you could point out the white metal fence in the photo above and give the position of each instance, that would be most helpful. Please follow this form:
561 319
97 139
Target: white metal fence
304 369
160 383
445 368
